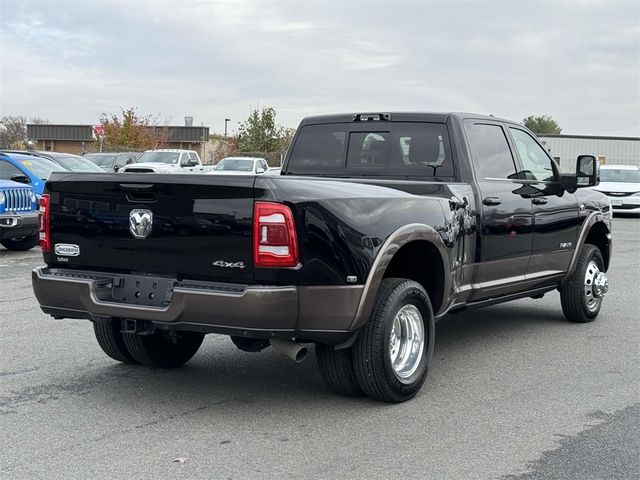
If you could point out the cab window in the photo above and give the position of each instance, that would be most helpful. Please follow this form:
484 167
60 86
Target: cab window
536 163
490 150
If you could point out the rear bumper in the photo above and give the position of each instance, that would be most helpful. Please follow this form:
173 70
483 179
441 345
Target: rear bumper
313 313
14 225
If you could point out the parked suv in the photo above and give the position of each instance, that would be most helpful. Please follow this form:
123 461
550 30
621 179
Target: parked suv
112 162
28 169
68 161
18 215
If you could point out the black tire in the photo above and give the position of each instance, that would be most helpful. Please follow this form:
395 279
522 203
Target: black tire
20 244
572 294
250 344
163 349
372 353
111 341
337 370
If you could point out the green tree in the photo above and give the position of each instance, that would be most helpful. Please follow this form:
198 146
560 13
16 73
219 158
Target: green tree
261 133
131 131
542 125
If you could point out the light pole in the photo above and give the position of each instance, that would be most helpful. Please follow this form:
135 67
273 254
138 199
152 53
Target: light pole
226 120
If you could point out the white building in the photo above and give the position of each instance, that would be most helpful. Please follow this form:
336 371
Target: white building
610 150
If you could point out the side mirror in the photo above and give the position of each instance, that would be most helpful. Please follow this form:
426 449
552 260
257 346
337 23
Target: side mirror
116 168
260 170
587 174
20 179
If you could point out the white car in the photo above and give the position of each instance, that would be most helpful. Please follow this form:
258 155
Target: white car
241 166
168 160
621 183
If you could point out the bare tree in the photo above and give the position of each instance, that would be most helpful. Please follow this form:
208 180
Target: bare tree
13 131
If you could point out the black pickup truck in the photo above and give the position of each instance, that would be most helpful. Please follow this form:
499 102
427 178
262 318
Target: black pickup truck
379 225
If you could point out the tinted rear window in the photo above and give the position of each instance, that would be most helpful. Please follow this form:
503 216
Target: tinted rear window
373 149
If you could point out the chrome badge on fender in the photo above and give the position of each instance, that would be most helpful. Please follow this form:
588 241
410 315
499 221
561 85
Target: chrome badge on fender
140 222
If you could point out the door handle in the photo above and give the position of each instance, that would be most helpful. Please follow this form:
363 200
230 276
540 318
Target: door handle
492 201
539 201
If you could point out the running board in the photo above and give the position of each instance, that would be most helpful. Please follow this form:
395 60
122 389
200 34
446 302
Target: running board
535 293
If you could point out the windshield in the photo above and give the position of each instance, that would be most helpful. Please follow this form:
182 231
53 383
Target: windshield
159 157
40 167
619 175
235 165
101 159
77 164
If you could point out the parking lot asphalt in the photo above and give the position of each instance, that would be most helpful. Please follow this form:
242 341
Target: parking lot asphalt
515 392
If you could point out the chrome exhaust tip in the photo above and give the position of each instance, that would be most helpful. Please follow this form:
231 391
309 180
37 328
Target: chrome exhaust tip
294 350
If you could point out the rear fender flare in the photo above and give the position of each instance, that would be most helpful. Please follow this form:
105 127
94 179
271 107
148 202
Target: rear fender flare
399 238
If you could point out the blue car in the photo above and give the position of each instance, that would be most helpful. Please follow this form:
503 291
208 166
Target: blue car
18 215
27 169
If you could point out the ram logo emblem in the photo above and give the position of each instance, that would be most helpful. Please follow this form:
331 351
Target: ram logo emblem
140 222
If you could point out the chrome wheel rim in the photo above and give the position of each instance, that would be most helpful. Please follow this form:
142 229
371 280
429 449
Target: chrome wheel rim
406 341
591 300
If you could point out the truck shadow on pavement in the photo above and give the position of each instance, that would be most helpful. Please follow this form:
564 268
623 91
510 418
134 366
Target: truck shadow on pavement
220 373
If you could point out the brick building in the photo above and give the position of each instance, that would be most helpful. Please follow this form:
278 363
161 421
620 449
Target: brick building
76 139
80 139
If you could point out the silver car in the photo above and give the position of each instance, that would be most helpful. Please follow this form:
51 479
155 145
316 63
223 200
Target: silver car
240 166
621 183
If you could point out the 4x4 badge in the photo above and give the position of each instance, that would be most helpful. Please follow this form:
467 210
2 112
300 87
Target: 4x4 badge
140 222
225 264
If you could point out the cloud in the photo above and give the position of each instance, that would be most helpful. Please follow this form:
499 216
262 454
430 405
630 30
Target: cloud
70 61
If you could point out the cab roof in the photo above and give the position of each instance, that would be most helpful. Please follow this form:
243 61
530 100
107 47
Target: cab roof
435 117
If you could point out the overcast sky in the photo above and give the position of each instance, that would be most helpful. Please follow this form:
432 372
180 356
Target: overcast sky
69 61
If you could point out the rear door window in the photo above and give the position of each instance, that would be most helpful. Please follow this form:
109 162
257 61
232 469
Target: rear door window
492 157
396 149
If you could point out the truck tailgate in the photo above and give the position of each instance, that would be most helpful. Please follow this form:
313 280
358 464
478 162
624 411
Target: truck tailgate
203 226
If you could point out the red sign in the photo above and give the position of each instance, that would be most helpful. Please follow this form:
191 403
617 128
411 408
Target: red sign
99 129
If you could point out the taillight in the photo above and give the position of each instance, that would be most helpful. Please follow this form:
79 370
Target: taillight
43 223
274 236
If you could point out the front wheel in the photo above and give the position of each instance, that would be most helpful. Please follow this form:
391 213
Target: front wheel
20 244
582 294
393 351
163 349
